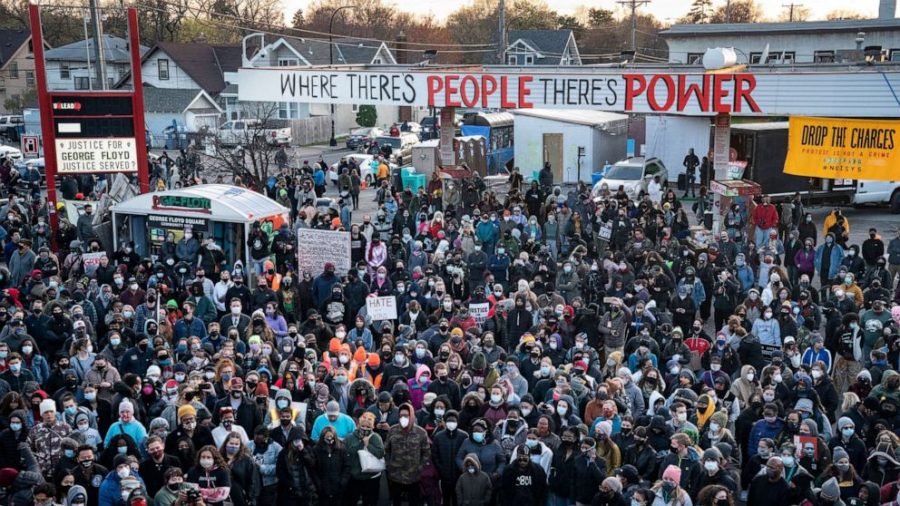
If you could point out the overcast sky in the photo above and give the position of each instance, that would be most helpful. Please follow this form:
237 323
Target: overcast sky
667 10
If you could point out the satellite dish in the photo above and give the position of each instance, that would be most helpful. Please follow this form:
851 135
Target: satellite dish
765 55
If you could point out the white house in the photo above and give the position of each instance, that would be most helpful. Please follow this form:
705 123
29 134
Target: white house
193 109
72 67
539 47
556 136
788 43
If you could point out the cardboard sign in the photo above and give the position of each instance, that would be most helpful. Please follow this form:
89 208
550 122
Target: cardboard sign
316 247
480 311
91 261
381 308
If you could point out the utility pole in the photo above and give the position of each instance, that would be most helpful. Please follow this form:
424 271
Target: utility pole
633 4
791 12
97 33
501 38
728 11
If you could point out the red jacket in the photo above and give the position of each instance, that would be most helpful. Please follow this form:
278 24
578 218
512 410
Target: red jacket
765 216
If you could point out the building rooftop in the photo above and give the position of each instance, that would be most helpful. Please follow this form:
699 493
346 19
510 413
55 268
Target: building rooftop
843 25
115 50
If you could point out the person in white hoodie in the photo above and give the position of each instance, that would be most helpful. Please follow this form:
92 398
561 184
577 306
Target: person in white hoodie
540 453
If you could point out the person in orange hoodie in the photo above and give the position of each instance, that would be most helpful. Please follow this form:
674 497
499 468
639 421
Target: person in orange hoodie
357 367
369 369
271 275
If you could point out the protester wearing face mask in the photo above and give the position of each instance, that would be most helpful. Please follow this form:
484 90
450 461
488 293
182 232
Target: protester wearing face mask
210 475
406 449
114 485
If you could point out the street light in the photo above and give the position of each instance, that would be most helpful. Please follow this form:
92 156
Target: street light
333 141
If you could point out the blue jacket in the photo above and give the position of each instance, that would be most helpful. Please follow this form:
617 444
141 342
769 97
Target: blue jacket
319 177
837 256
499 266
487 232
266 460
39 368
365 336
111 491
745 275
767 331
134 429
184 330
343 426
761 429
322 285
698 293
810 357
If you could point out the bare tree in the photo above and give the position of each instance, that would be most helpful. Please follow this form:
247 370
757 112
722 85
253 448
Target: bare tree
248 153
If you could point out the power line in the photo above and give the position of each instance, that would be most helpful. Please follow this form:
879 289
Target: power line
634 5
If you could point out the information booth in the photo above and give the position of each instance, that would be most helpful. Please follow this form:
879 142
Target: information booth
224 211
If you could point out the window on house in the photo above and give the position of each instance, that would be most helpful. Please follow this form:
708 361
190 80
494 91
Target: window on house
288 110
694 58
162 65
14 70
29 77
30 47
288 62
823 57
529 59
755 57
787 57
82 83
64 71
511 59
377 61
895 54
355 107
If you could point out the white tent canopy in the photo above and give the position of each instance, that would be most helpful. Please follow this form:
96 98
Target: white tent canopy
228 203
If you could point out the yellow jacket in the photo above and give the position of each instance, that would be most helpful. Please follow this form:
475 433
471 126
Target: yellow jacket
830 220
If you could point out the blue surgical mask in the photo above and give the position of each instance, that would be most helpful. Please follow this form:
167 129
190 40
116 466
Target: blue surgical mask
478 437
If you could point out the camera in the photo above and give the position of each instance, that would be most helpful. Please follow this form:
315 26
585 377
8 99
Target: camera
193 496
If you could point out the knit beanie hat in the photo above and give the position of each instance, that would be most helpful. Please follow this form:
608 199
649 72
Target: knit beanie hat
613 484
672 473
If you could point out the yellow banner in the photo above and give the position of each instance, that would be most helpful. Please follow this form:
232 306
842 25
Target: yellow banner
836 148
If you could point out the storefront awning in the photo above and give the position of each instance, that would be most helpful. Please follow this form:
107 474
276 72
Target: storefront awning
219 202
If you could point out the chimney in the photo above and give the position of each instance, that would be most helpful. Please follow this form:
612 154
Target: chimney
887 9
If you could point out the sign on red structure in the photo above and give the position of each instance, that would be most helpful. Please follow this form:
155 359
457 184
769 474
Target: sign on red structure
90 131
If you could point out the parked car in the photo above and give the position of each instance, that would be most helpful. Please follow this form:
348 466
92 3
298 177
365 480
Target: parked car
401 147
242 131
12 127
431 129
364 162
10 152
634 174
360 136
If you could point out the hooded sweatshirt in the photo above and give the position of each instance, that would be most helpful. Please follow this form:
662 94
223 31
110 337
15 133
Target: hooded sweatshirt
474 485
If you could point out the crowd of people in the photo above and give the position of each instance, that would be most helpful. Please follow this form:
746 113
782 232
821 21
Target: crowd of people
552 347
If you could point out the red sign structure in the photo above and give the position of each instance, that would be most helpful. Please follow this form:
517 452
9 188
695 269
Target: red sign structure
88 114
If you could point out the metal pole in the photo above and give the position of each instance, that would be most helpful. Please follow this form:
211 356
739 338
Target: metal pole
333 141
501 39
97 33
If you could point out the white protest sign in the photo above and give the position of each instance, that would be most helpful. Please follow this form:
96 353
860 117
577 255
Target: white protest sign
316 247
381 308
84 156
91 261
480 311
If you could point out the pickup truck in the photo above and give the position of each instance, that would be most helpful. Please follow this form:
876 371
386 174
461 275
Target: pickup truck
243 131
879 193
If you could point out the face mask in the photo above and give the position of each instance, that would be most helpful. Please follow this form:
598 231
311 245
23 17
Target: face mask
398 358
787 460
123 473
478 437
711 466
848 433
768 397
842 467
561 410
15 367
750 376
206 463
404 421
